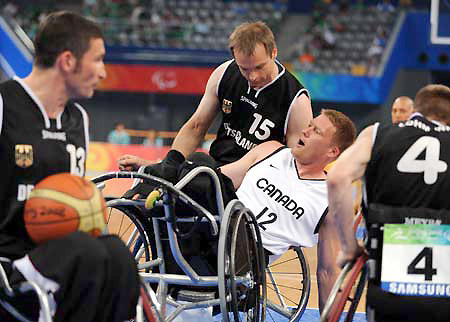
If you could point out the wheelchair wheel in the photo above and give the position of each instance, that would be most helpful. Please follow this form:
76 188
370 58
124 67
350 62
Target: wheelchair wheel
347 289
241 257
125 222
288 283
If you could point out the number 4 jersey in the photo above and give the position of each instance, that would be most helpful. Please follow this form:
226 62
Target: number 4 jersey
32 147
409 165
288 209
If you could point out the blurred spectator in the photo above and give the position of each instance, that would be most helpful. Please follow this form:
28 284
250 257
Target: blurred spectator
119 135
152 139
306 58
385 6
378 43
402 109
10 9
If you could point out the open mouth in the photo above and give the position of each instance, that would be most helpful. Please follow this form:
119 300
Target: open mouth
300 142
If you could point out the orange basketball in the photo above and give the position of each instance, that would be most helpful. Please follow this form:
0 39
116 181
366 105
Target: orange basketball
61 204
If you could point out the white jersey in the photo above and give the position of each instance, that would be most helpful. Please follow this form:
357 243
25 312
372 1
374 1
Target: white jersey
288 209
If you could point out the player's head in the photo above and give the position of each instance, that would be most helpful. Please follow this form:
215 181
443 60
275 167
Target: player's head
402 108
253 47
63 31
326 137
345 133
433 102
75 46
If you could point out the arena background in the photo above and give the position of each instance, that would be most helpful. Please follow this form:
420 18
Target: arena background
353 56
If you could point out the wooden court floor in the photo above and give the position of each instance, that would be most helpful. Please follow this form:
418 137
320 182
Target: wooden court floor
116 187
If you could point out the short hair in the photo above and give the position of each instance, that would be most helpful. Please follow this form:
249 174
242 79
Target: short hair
345 133
405 101
63 31
434 101
246 36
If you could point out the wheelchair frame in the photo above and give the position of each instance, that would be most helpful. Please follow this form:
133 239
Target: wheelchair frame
191 278
229 289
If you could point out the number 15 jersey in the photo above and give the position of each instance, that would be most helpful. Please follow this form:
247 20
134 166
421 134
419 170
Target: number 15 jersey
410 165
32 147
288 209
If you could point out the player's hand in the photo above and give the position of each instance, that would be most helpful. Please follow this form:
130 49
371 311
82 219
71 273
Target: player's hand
345 257
129 162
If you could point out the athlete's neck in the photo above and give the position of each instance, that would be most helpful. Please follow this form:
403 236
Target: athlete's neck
49 87
310 171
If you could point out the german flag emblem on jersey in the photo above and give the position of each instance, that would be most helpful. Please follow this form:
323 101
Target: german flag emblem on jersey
226 106
24 155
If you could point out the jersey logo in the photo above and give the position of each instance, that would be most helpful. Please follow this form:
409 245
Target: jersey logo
226 106
24 155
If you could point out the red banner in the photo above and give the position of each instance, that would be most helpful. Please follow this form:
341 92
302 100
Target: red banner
156 79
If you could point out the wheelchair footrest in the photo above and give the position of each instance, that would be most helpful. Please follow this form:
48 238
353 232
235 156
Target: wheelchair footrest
195 296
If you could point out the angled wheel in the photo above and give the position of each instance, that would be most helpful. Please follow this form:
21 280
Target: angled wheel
344 291
126 222
288 286
241 266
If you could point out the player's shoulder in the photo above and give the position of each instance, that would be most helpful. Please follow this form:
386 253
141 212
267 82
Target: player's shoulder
289 81
224 66
9 86
267 149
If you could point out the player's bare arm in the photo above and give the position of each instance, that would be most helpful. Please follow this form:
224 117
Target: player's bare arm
193 131
237 170
327 250
349 167
301 115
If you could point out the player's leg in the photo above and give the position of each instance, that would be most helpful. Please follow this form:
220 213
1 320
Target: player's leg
86 278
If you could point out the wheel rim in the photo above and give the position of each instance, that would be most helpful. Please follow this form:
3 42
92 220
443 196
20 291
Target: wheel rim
292 276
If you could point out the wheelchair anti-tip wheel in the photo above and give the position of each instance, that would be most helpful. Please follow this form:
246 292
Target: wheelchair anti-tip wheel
242 288
288 286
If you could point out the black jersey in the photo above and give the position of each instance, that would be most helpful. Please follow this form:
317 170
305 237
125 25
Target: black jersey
250 117
410 165
32 147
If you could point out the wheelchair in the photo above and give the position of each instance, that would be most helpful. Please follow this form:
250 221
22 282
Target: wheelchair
398 267
237 284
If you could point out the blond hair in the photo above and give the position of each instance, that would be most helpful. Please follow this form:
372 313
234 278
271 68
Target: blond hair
246 36
345 133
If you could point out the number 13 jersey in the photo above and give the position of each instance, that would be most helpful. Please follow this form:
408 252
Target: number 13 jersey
289 209
410 165
32 147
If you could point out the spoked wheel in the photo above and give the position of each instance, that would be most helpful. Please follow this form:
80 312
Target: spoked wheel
125 222
241 274
347 289
288 283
